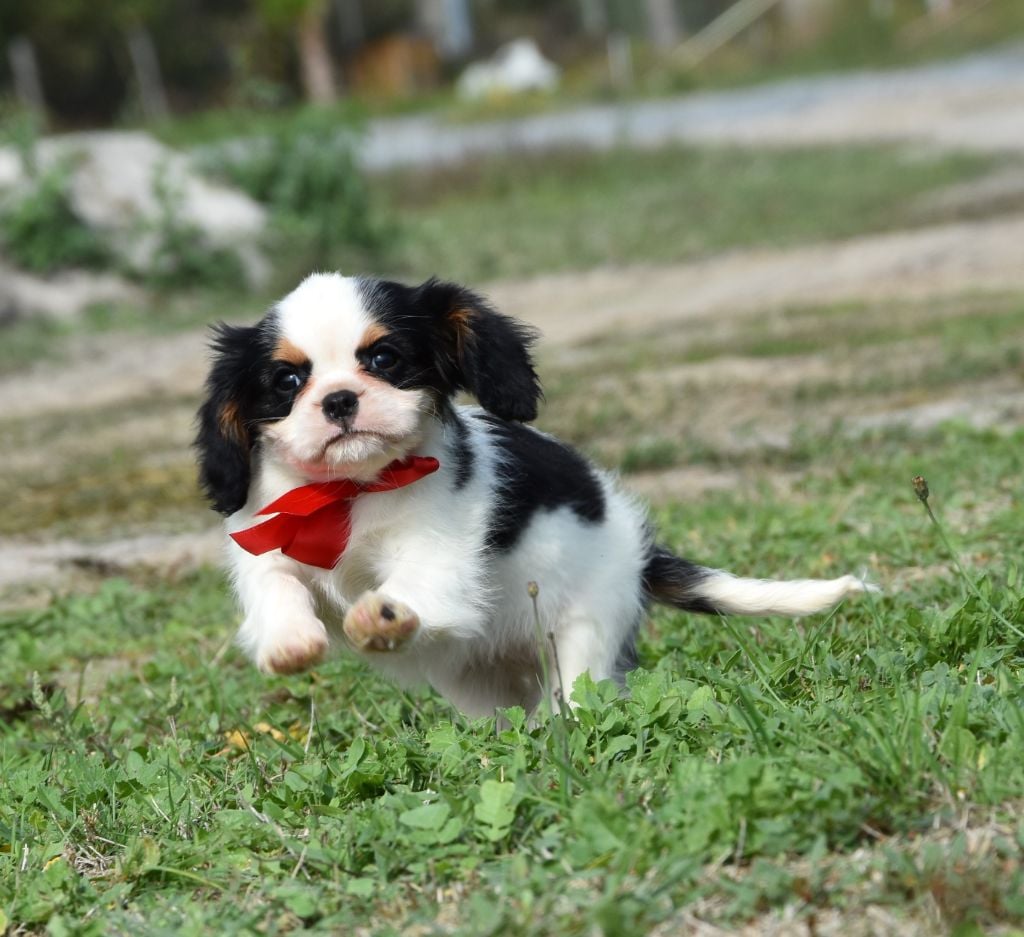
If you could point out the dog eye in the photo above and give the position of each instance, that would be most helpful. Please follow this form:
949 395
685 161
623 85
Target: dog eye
383 359
287 381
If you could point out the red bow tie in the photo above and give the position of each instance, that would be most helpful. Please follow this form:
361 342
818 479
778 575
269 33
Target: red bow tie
313 522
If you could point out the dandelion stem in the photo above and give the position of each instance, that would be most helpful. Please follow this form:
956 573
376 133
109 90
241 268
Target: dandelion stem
923 493
550 695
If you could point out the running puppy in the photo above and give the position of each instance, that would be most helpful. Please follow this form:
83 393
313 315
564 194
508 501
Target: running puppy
362 502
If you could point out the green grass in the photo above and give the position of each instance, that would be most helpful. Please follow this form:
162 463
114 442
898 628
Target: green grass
122 488
538 215
152 779
987 322
87 488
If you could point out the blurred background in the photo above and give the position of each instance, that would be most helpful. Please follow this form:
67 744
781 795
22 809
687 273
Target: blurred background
100 63
751 231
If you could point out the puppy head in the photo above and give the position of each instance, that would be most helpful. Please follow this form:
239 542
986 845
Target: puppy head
343 375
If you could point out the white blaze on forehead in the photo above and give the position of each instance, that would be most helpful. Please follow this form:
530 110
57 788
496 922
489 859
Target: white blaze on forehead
325 317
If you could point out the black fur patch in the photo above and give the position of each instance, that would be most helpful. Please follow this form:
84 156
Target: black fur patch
241 395
674 581
449 339
537 473
461 452
223 439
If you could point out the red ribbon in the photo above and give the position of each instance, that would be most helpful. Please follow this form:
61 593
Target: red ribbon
313 522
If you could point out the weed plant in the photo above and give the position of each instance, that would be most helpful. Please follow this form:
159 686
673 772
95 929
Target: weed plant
305 172
182 256
40 231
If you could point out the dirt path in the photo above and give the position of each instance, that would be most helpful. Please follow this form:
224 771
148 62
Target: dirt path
922 264
974 103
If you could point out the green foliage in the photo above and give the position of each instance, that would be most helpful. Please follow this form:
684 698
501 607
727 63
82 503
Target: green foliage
19 129
859 36
40 231
182 255
306 173
284 12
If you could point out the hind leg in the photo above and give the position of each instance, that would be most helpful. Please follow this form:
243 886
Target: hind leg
582 643
480 689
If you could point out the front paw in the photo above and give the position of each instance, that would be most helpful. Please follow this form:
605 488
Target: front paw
377 623
295 650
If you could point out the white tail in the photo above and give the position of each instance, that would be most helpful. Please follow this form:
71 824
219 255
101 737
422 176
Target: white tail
794 597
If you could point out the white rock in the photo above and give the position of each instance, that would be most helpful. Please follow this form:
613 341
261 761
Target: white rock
10 168
115 180
517 67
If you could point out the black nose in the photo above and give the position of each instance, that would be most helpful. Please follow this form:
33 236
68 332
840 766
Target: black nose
340 406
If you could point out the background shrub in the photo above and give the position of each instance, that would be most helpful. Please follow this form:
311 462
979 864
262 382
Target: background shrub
41 232
306 173
182 254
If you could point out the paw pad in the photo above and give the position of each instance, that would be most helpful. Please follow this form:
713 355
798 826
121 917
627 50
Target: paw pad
376 623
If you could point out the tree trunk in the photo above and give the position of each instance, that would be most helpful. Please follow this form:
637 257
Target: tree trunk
594 16
805 19
147 73
25 68
662 23
351 26
315 55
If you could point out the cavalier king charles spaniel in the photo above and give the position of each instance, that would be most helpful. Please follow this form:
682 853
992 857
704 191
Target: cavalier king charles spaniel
447 544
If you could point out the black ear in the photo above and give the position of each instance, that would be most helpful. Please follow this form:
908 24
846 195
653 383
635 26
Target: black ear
487 353
224 440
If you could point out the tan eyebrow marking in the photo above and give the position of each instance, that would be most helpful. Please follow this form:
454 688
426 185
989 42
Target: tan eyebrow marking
285 350
372 335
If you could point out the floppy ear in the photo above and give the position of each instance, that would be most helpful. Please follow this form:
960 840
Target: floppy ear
224 441
485 352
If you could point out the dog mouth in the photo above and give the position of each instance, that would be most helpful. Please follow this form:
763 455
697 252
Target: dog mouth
346 435
368 448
